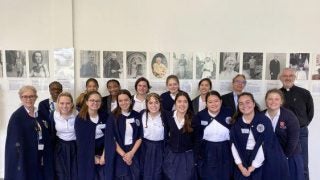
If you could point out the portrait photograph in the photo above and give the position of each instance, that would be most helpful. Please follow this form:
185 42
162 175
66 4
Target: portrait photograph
112 64
64 63
300 62
206 65
229 65
252 66
316 67
16 63
39 63
159 65
183 65
90 64
136 64
275 62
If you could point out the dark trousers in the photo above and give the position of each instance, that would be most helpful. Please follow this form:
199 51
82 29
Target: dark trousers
304 132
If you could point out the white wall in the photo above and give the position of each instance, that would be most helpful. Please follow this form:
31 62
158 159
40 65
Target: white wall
144 25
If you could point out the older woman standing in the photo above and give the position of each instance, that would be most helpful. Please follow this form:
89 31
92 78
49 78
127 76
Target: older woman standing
28 153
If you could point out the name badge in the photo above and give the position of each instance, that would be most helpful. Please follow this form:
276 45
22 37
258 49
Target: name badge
204 123
130 120
40 147
245 131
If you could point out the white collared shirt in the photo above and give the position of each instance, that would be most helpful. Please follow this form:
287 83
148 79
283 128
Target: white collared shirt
65 127
113 105
274 120
138 104
258 160
178 123
35 111
153 128
99 127
215 132
52 105
202 104
129 131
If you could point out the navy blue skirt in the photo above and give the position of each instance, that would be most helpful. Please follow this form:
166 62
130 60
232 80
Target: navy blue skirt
216 160
125 172
151 159
65 154
296 167
179 166
99 170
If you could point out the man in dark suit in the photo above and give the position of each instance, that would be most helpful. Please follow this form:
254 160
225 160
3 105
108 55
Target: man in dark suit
274 67
231 99
49 105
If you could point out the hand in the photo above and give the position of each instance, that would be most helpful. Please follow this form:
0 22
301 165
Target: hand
128 156
96 159
251 169
102 160
244 170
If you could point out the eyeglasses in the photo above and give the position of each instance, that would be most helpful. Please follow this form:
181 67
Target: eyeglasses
94 101
29 97
240 82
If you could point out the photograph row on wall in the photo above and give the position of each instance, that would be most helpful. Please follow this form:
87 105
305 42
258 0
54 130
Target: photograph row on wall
156 65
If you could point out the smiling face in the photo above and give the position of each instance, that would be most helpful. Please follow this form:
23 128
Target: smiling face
204 87
92 86
113 88
173 86
181 104
214 104
153 105
246 105
287 78
65 105
28 98
273 101
238 84
94 102
142 88
55 89
124 102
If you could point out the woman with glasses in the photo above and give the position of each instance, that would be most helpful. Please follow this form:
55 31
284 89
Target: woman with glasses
90 131
28 151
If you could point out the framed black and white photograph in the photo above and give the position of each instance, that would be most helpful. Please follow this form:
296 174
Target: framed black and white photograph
159 65
300 62
229 65
183 65
252 65
206 65
112 64
90 64
64 63
275 62
136 64
316 68
1 65
16 63
39 63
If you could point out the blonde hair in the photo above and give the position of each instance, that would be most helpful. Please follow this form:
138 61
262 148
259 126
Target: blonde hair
65 94
26 88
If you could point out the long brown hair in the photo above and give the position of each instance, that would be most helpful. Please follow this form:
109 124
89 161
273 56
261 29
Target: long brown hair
83 113
117 112
187 127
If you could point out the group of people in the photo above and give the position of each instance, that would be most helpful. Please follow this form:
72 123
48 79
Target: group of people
154 137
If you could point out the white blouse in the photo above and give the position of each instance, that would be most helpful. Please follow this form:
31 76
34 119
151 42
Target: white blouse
153 129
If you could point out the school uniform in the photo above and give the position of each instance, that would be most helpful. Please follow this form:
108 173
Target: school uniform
152 147
90 143
198 105
65 148
287 129
137 104
126 131
107 105
179 162
45 108
256 145
214 157
28 151
167 101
